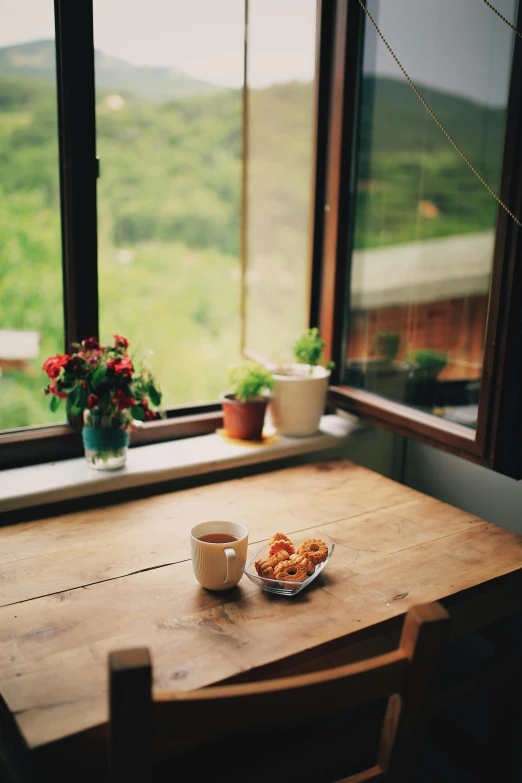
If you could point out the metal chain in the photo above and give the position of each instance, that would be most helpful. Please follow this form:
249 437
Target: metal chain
436 119
503 18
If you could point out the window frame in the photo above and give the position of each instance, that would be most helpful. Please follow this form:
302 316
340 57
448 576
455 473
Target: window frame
496 443
78 172
498 438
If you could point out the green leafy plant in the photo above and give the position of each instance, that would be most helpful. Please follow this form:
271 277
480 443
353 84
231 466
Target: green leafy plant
250 380
387 344
309 347
427 363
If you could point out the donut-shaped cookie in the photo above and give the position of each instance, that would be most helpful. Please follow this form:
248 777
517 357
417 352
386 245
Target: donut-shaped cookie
310 568
274 559
268 573
281 544
291 571
264 569
262 563
278 537
278 557
314 550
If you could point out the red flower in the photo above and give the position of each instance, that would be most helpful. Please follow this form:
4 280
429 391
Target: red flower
121 366
120 342
149 415
54 364
101 377
92 401
94 357
122 400
74 364
91 344
54 390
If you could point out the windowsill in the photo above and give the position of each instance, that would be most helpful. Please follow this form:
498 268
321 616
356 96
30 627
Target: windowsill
53 482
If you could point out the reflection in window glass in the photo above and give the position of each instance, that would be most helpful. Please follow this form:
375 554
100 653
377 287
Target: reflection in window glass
169 128
279 130
31 297
424 224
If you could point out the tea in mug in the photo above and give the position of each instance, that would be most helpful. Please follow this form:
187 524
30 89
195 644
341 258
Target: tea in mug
218 538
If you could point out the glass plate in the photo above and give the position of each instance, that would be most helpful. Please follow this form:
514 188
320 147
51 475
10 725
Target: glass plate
278 586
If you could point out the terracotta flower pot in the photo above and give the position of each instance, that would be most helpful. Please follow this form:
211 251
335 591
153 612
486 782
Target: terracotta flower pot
243 420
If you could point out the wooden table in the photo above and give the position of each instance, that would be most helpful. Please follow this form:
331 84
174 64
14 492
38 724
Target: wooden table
76 586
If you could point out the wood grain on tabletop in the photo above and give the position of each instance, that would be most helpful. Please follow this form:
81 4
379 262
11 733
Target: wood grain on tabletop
65 552
394 548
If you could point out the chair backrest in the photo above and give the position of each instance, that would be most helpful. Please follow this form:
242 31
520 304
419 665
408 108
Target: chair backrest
138 722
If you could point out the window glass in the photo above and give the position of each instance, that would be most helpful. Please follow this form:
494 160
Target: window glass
31 293
169 137
279 167
425 225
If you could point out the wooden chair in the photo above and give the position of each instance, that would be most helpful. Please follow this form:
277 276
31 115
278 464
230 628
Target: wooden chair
224 717
477 707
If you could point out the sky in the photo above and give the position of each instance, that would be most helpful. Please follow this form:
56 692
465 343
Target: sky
203 37
459 46
455 45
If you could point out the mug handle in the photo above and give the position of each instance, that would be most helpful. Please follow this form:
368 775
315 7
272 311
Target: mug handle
231 565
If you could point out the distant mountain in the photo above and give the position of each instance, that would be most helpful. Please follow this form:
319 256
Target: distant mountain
394 122
391 103
36 59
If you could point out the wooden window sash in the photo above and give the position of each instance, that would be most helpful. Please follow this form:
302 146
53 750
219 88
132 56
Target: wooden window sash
78 167
325 32
496 442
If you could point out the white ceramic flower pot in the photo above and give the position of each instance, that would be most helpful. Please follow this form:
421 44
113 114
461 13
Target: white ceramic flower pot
298 399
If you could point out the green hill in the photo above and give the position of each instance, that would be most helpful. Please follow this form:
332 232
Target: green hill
399 122
36 60
405 159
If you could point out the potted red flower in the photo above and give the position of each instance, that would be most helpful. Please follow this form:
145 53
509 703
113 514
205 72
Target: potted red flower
101 385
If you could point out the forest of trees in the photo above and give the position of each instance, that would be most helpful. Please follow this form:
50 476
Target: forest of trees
169 212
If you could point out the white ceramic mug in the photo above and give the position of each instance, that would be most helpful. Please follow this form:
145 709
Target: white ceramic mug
219 565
